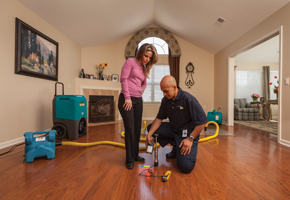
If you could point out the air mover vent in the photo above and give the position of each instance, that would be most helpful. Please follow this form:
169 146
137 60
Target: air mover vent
221 20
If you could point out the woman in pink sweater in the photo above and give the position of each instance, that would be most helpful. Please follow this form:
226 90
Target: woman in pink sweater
133 80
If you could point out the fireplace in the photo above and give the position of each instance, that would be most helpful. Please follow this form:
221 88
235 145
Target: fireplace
87 91
101 108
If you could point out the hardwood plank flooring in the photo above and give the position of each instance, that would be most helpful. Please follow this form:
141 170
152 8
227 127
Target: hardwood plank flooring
250 165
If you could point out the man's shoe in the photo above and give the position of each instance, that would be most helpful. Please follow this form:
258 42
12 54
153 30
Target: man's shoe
140 159
130 165
172 154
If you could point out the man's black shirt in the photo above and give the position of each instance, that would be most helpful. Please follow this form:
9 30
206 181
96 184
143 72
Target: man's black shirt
184 112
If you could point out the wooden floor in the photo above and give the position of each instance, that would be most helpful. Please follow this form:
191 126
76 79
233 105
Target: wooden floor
250 165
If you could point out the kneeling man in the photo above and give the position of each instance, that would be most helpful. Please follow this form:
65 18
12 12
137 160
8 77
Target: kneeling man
186 120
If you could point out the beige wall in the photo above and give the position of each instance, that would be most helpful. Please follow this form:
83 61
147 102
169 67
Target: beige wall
202 61
271 24
26 101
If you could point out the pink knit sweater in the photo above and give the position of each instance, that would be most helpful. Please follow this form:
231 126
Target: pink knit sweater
133 79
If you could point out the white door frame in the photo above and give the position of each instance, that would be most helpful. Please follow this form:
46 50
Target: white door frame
231 78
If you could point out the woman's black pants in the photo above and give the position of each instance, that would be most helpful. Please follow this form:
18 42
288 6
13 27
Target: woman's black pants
132 122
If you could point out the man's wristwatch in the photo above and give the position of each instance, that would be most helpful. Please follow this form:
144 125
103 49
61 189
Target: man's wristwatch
191 138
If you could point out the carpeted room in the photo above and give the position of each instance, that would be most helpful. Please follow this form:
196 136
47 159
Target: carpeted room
29 102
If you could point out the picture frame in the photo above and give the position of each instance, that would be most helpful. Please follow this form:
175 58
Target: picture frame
36 54
104 77
262 99
115 77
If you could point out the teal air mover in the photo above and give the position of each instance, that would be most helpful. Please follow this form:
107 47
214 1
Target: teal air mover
69 115
39 144
215 116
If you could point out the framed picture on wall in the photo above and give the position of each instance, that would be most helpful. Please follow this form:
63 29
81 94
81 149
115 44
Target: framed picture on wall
36 54
115 77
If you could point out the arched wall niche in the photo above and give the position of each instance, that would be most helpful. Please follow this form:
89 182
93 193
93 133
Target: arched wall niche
152 32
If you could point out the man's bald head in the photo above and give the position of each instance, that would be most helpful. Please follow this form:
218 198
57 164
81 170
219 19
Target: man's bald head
168 81
168 87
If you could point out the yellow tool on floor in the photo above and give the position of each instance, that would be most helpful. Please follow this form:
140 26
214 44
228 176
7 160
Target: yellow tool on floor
141 139
166 176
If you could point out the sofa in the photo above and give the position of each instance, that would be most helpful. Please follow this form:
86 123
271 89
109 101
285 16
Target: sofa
245 111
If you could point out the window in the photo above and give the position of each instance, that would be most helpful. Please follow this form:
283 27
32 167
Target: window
153 92
251 81
160 45
248 82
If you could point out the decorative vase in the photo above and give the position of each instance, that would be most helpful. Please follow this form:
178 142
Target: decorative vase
255 99
82 74
100 76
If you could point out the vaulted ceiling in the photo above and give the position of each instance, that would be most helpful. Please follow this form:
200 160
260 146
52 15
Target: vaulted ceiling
100 22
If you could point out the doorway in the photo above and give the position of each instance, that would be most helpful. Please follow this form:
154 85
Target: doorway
231 75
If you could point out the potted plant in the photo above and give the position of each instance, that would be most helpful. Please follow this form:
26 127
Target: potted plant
255 97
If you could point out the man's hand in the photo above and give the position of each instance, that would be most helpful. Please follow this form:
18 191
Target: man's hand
128 104
148 140
185 146
155 125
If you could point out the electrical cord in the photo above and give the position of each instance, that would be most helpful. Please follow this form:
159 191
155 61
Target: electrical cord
12 154
150 172
12 148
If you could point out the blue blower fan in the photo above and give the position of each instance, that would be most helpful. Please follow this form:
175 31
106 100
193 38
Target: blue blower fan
39 144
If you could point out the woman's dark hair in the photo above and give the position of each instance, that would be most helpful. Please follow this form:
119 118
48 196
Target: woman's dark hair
144 48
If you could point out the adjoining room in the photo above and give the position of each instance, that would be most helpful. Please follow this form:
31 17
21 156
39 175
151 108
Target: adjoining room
257 85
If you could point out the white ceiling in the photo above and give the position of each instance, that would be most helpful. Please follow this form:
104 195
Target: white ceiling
100 22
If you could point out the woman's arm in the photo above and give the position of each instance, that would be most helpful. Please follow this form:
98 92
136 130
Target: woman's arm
125 73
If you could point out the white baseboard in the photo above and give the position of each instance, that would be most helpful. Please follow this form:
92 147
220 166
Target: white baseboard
285 142
225 123
11 142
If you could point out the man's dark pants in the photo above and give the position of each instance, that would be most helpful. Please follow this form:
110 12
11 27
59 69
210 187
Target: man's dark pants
167 135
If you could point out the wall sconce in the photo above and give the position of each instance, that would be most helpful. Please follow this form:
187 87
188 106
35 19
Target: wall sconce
189 79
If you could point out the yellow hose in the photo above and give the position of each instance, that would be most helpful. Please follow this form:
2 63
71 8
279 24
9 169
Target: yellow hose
93 143
141 139
144 126
212 136
107 142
